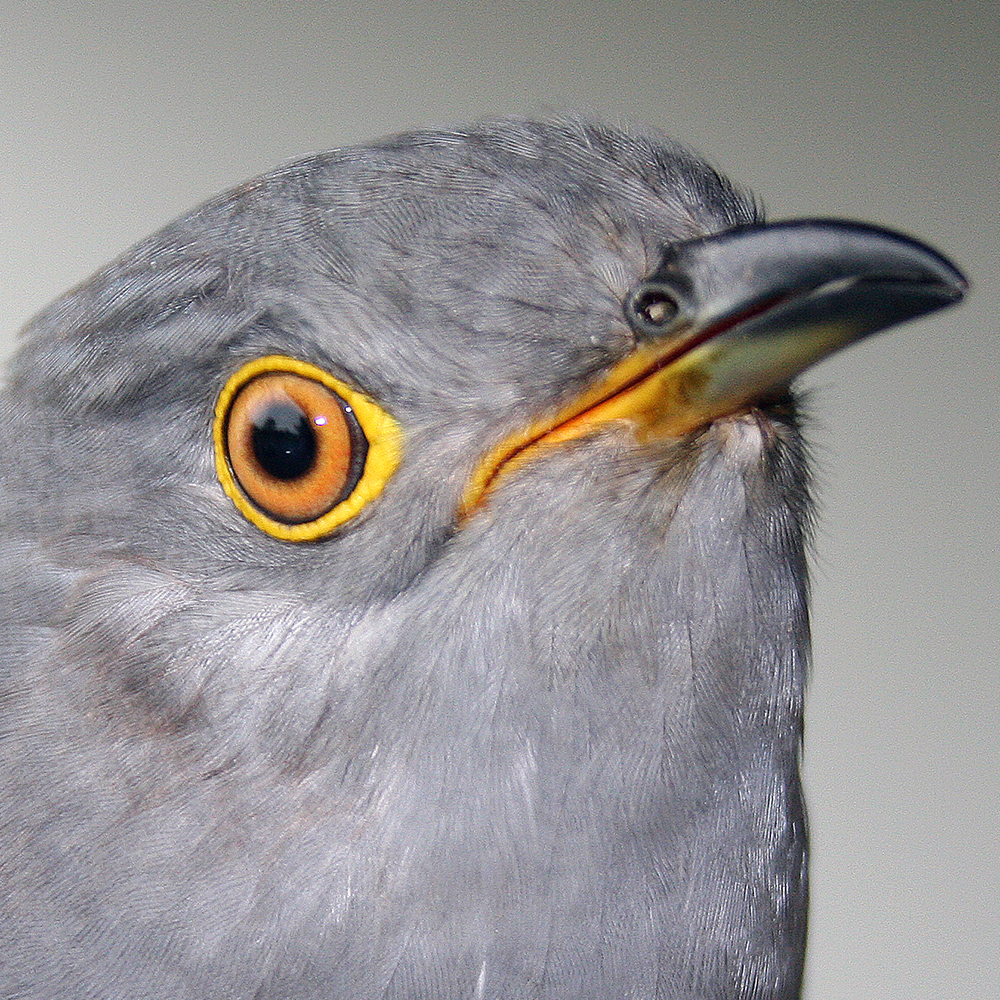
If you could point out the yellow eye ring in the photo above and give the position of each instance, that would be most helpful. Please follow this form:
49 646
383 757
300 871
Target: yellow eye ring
351 448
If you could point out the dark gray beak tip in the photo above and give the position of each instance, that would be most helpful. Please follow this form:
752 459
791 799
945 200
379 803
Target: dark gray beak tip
895 277
873 254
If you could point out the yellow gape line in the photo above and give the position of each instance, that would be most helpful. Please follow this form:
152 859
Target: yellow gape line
352 448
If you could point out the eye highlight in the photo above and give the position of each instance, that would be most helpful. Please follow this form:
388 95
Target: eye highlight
297 450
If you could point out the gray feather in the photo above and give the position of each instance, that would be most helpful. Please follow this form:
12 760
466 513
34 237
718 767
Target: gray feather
553 753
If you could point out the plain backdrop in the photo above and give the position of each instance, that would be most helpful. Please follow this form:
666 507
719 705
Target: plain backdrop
118 117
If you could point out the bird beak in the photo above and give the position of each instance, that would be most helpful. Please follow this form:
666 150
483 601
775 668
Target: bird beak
727 320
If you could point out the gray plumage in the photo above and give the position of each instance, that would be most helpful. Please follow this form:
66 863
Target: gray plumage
550 752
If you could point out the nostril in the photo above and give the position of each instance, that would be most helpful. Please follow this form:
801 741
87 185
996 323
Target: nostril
651 308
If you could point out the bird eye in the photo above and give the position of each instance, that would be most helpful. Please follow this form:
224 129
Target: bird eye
298 451
651 307
294 446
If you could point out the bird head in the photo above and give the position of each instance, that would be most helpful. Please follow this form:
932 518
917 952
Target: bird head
412 541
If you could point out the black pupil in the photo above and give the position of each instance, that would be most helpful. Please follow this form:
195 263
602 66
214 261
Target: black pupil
283 441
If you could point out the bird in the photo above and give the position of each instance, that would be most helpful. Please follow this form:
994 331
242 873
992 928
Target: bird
404 561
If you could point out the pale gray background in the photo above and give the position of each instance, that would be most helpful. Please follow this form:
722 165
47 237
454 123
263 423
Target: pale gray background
117 117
